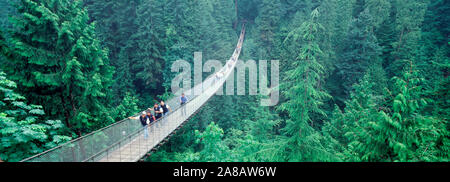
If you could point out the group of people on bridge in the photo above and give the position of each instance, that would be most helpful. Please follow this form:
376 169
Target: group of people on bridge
161 110
146 118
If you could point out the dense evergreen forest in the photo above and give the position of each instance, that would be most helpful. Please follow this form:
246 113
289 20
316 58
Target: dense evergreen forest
360 80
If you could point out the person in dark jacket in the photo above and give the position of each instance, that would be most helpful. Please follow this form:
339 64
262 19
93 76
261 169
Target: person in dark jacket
166 108
143 118
158 111
151 117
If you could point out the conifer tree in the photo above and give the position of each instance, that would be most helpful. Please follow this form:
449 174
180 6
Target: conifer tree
143 52
399 132
213 146
270 14
440 97
57 62
304 97
360 52
7 10
350 128
379 11
409 17
117 26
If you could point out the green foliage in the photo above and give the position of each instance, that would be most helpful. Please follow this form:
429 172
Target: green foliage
350 51
408 19
336 103
270 11
398 132
57 62
213 146
7 10
359 53
129 29
304 98
22 131
127 107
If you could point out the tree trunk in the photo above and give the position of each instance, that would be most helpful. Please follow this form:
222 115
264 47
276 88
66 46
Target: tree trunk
66 112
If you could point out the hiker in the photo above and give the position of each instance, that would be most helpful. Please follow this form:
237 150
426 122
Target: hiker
158 111
144 121
183 100
151 117
217 76
166 108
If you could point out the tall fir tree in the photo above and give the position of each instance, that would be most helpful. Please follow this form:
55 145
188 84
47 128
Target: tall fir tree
409 17
304 97
57 62
143 52
270 14
360 52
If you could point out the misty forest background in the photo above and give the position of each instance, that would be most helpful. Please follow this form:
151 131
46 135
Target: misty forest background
361 80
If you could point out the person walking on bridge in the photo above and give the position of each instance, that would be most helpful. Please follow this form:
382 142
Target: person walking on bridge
144 121
166 108
216 78
183 100
151 117
158 111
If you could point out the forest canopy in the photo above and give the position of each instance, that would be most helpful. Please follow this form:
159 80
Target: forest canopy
360 80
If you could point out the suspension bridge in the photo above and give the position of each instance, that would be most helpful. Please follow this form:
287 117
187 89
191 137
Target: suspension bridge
124 140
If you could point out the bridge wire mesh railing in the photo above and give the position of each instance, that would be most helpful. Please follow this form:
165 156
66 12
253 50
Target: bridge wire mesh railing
111 142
